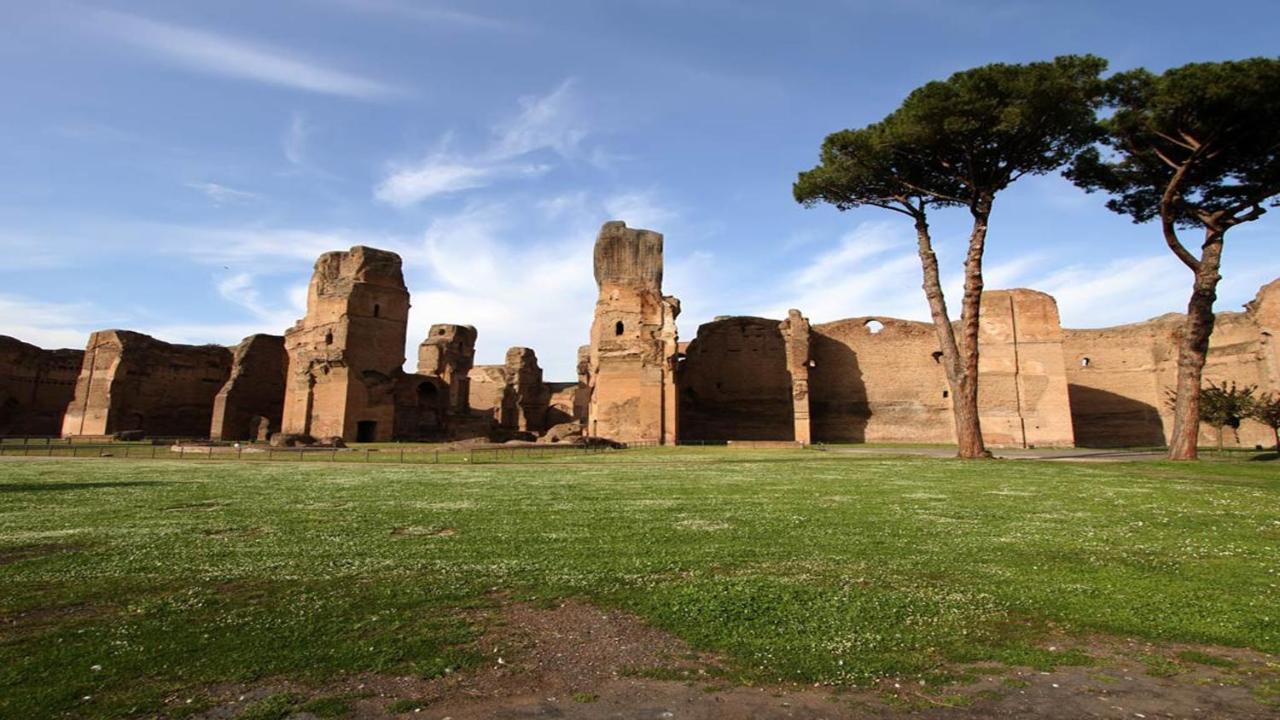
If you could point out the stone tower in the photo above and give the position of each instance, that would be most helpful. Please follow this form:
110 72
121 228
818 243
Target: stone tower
345 355
633 348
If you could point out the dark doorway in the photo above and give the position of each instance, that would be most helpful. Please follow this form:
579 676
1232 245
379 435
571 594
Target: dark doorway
366 431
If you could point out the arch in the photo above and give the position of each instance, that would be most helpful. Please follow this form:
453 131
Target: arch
618 328
873 326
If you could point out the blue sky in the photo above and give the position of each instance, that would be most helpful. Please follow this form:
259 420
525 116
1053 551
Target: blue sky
176 167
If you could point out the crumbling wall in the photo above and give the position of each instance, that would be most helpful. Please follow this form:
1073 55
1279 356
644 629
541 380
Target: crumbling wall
532 397
448 353
35 387
1120 377
422 407
133 382
512 395
734 383
797 337
347 354
633 340
250 404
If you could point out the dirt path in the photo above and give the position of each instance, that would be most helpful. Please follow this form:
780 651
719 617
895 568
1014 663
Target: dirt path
577 661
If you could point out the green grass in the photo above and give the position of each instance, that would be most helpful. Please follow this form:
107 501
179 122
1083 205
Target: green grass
169 577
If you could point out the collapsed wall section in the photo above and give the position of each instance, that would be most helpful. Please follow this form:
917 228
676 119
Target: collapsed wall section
633 347
346 355
130 382
249 405
36 385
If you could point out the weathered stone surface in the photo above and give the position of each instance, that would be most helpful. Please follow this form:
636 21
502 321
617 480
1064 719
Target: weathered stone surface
1120 377
249 405
35 387
734 383
347 355
422 407
1022 384
511 396
797 336
633 347
448 353
531 395
566 433
130 381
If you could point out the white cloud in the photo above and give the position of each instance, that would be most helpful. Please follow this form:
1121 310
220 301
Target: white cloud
48 324
638 210
550 123
443 174
221 194
215 54
421 13
294 143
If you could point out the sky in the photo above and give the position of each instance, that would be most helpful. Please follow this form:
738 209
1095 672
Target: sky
176 168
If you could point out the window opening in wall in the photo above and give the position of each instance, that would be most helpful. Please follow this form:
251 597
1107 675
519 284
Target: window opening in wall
377 310
937 356
946 393
328 338
873 326
1084 362
617 328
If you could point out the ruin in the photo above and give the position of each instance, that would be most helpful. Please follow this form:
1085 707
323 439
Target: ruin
1120 376
249 406
35 387
134 383
339 373
346 355
633 351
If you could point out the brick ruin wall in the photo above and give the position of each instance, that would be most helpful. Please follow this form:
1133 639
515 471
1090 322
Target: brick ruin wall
633 350
347 355
36 385
733 383
250 405
1120 376
133 382
875 379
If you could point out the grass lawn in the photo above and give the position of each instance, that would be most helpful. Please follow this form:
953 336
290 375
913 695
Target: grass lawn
124 581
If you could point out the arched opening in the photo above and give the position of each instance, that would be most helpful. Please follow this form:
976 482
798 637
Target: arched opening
873 326
1084 362
427 394
377 310
618 328
328 338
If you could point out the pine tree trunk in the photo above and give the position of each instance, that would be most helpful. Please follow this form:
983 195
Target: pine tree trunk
1275 432
1193 350
963 384
968 427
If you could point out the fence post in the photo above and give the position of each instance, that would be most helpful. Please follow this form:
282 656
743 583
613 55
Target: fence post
299 454
182 451
437 457
268 452
401 456
366 455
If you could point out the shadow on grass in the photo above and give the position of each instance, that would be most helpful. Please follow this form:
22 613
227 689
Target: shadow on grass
62 486
1265 457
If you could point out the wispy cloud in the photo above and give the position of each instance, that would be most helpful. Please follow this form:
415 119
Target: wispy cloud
551 123
427 14
49 324
221 194
215 54
294 143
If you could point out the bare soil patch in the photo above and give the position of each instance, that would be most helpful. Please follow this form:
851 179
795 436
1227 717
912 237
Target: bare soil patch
577 661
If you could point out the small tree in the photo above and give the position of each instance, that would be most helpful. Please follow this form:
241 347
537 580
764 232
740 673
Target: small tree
1266 410
1222 406
958 143
1198 146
